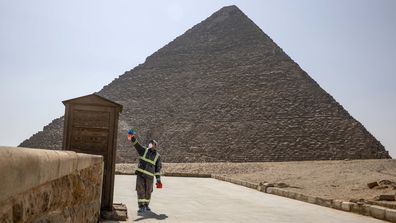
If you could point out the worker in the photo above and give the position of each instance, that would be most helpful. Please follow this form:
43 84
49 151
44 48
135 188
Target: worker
149 167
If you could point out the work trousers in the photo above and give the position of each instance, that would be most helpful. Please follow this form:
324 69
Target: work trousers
144 187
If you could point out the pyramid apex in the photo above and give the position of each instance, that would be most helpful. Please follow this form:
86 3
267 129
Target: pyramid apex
229 8
227 26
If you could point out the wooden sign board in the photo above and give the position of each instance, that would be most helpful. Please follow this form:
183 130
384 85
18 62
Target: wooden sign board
91 124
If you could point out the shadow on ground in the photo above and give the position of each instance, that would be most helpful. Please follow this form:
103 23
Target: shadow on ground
151 215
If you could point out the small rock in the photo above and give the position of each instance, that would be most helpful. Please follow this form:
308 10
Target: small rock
386 197
385 182
372 184
360 201
262 183
381 187
281 185
388 183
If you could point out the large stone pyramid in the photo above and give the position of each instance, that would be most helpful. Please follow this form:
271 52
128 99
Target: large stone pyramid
224 91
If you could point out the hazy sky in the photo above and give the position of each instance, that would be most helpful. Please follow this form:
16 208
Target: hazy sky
56 50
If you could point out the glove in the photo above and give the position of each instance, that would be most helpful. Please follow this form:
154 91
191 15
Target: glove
131 134
158 184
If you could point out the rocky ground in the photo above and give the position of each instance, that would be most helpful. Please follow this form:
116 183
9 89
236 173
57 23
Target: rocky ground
343 180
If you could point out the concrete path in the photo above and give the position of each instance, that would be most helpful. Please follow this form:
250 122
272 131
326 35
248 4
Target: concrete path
211 200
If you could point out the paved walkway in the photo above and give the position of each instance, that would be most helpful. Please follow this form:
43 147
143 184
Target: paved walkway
211 200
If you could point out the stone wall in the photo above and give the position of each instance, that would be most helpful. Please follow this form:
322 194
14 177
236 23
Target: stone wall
49 186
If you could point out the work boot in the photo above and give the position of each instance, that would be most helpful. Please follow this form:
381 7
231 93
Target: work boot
147 207
141 210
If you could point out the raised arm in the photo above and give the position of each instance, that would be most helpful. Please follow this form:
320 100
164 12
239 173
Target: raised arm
140 149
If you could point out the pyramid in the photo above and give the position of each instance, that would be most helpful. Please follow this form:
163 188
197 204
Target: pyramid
225 92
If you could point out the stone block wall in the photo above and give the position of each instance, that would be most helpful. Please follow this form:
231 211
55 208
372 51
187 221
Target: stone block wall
49 186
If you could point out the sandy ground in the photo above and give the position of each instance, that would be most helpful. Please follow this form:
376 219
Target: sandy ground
344 180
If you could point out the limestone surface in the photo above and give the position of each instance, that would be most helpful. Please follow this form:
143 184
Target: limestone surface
71 198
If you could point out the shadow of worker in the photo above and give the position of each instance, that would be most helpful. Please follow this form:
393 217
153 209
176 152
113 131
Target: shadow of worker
152 215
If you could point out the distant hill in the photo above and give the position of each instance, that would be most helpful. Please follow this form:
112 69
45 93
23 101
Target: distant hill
224 91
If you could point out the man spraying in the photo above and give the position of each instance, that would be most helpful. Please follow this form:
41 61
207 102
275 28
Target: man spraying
149 167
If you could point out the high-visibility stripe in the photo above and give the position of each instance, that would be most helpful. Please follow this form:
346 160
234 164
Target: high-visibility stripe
156 157
157 174
144 200
145 172
148 160
145 152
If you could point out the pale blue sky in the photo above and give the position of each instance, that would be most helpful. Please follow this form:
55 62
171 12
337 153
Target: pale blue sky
56 50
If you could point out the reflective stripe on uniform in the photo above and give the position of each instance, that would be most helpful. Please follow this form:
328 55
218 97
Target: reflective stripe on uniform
144 200
148 160
157 174
145 172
